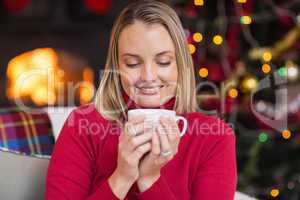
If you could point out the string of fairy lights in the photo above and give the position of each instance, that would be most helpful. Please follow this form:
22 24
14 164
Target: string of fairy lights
290 70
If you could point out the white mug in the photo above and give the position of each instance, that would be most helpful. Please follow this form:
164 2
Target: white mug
153 116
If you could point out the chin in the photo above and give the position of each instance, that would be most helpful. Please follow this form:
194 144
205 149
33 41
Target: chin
149 105
149 102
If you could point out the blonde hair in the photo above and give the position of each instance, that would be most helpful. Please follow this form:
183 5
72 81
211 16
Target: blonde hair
108 100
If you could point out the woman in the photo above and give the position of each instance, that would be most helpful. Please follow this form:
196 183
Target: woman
101 154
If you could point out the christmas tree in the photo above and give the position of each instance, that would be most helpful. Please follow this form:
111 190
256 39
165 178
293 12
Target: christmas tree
246 56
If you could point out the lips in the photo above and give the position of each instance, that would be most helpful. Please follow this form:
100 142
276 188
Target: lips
150 90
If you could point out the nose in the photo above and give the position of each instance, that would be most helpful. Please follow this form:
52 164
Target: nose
148 72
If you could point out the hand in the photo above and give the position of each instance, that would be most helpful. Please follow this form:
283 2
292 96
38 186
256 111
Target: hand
134 142
166 138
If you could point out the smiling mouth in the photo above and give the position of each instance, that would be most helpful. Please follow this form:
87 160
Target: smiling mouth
150 90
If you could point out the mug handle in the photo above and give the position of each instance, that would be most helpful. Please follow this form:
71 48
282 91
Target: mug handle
177 118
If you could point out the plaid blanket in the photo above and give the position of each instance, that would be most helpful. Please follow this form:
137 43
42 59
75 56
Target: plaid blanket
29 133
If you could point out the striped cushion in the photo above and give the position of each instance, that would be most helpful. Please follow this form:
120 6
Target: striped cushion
26 132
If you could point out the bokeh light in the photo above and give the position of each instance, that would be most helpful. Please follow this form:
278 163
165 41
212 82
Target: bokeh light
263 137
249 83
203 72
197 37
286 134
267 56
233 93
192 48
266 68
199 2
282 71
217 39
274 192
246 20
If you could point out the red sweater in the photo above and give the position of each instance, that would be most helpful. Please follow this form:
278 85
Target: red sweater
85 155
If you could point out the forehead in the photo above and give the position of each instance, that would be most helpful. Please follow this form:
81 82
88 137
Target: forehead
140 38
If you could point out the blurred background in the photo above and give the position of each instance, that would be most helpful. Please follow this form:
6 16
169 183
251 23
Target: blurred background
247 51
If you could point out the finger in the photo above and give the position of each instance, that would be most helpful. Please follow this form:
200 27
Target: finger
171 127
136 119
164 141
136 141
155 149
127 129
136 129
136 145
141 150
173 132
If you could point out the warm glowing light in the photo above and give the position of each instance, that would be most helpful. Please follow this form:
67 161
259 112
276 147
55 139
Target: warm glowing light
242 1
274 192
36 75
26 82
41 96
203 72
88 74
292 72
87 92
286 134
16 67
249 84
11 93
199 2
217 39
298 18
266 68
197 37
233 93
29 75
246 20
267 56
192 48
44 58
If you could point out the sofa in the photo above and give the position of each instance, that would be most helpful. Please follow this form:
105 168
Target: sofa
22 175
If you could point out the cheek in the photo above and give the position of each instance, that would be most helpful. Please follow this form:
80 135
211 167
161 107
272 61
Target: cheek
128 77
169 74
174 76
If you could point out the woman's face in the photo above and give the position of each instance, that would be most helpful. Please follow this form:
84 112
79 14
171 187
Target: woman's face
147 64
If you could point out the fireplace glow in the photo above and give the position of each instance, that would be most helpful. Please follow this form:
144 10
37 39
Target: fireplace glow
87 89
37 76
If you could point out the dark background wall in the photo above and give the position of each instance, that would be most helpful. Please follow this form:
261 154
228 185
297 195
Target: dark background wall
65 25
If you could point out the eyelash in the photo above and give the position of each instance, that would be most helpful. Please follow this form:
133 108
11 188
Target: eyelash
162 64
132 65
165 64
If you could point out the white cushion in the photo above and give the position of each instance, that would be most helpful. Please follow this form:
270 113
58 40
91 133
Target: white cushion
58 116
22 177
241 196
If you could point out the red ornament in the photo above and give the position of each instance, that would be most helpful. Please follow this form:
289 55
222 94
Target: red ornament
15 5
286 20
214 103
191 12
98 6
216 72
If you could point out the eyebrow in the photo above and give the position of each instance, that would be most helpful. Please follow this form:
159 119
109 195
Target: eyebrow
135 55
163 52
129 54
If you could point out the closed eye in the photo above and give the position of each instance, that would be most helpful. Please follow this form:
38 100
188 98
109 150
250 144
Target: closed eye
165 63
132 65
